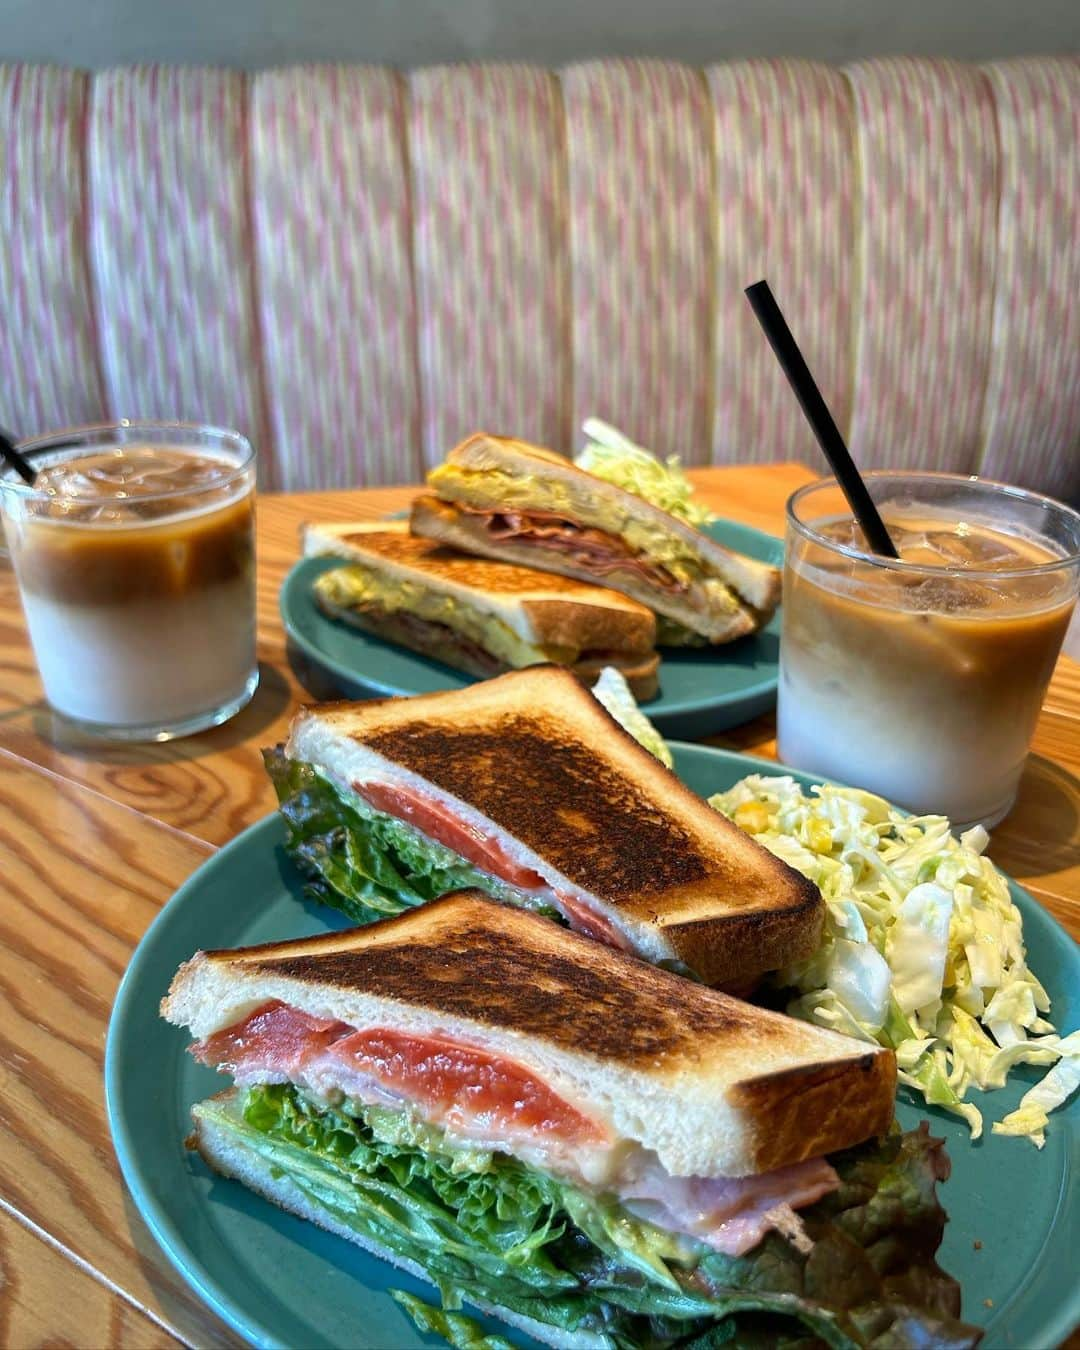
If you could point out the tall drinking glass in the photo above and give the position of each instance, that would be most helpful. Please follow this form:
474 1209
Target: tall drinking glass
921 679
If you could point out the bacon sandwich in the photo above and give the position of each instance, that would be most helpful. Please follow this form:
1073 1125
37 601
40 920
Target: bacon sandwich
593 1148
526 788
504 499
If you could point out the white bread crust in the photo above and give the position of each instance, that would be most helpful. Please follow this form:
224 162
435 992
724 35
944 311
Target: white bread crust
321 739
718 926
515 609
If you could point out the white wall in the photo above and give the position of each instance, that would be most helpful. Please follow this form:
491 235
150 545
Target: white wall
255 33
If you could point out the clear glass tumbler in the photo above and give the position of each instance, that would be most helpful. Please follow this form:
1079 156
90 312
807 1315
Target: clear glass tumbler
134 551
921 679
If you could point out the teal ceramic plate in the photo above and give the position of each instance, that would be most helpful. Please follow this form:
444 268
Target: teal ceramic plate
1014 1212
702 690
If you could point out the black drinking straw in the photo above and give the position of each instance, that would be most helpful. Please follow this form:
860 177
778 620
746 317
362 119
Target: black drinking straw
17 462
764 305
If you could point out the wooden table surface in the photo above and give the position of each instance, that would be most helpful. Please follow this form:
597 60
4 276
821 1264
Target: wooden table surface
93 841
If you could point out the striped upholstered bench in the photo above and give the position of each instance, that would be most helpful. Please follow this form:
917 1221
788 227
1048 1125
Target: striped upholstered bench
358 267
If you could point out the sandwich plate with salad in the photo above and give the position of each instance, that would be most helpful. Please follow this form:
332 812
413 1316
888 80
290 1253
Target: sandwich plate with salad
681 602
623 1238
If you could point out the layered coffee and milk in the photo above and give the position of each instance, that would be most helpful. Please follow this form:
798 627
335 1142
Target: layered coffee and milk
922 683
136 570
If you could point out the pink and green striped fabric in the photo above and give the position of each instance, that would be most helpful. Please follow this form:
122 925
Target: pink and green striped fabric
334 282
1031 412
639 243
784 209
170 246
50 354
925 221
488 229
357 266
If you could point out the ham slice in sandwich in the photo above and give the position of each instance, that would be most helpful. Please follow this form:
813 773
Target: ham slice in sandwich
464 1061
504 499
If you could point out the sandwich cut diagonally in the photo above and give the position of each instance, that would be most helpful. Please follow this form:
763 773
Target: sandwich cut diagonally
475 614
526 787
505 499
600 1152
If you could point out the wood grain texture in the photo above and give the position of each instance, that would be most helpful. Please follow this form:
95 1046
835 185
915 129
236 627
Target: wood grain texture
89 1314
82 879
93 839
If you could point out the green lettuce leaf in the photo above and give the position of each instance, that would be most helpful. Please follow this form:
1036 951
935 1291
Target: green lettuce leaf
462 1332
610 455
367 864
614 693
493 1231
371 865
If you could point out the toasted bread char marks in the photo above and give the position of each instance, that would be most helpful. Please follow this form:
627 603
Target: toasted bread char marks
475 973
534 760
555 612
593 824
715 1086
396 545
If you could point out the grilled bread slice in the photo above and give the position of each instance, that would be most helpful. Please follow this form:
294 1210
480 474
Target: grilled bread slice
476 615
547 792
502 498
713 1086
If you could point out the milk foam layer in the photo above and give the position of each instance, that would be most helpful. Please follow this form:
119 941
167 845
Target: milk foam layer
141 662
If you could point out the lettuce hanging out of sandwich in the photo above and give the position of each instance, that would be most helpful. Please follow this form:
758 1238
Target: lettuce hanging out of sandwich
366 863
615 458
588 1147
372 865
493 1232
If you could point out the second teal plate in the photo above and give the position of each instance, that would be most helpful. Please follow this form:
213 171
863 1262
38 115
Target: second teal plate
702 690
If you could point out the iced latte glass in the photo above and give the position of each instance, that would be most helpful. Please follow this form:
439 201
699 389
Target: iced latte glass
134 554
921 679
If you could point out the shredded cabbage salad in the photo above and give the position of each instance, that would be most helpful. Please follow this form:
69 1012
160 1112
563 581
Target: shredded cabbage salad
614 457
922 950
614 693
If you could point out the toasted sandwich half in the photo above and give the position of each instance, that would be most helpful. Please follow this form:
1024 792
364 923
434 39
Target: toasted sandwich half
504 499
526 787
599 1152
476 615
